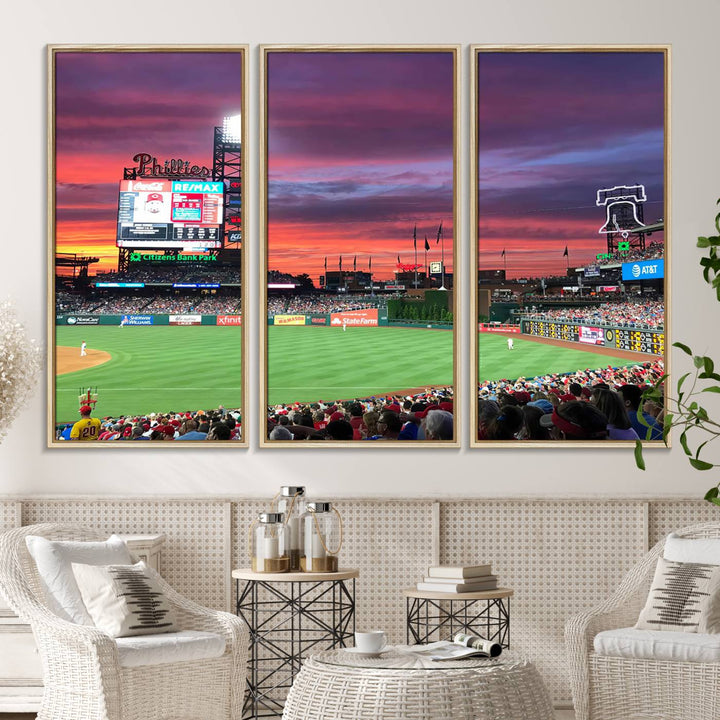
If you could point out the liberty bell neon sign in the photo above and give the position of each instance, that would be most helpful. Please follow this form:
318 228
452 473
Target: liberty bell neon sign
622 203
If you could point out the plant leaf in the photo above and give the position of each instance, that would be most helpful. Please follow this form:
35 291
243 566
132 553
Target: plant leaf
712 493
701 464
684 443
639 460
698 361
712 389
683 347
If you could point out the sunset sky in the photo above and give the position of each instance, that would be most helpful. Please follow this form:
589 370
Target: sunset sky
360 149
111 106
553 129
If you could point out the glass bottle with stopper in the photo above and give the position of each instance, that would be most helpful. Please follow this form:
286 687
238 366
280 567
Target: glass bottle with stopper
322 537
269 547
291 502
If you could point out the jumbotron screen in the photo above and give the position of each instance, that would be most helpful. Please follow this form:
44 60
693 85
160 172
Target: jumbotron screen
170 214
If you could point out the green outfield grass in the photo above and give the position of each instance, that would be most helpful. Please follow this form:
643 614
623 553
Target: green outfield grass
306 363
529 358
154 369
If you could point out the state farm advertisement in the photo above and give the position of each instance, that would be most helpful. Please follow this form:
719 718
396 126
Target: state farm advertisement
591 336
185 319
364 318
229 320
289 320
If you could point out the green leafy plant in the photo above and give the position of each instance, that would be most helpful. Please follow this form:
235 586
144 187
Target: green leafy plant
684 411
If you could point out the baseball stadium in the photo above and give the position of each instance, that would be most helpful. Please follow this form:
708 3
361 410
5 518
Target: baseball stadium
148 254
570 291
360 246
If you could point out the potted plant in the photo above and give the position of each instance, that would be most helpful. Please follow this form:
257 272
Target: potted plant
684 411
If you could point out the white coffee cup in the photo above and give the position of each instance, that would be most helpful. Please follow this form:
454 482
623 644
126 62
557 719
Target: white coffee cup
372 641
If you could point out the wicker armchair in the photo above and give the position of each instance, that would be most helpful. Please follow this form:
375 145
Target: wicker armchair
81 671
614 688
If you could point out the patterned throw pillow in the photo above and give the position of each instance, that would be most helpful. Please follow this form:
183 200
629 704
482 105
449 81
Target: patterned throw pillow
684 597
124 600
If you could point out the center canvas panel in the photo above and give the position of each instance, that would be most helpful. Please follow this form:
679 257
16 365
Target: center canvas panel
360 246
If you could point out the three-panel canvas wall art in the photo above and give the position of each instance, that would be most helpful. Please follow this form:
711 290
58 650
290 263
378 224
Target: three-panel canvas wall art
361 295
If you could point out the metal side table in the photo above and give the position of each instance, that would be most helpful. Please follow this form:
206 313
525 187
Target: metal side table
438 615
289 616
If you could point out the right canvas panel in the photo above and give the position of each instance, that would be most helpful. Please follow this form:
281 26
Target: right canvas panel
570 214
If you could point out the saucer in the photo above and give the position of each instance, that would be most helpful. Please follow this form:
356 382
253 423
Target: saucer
360 653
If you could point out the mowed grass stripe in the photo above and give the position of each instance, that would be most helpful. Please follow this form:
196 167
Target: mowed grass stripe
154 369
529 358
308 363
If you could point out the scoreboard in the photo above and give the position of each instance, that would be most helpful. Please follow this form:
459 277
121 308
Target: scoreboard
651 342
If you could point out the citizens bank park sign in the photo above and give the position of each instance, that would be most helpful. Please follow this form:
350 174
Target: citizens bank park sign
153 257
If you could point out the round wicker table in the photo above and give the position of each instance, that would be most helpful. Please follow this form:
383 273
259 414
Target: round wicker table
340 685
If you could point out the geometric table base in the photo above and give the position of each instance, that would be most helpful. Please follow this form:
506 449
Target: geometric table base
290 616
437 618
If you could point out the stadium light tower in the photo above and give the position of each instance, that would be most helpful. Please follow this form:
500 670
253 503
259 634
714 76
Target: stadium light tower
232 129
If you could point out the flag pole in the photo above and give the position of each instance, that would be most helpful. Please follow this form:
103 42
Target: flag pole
415 246
442 258
427 268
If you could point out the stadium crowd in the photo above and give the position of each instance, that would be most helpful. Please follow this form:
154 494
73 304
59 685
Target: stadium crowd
167 273
605 403
216 424
642 313
424 416
144 305
319 303
653 251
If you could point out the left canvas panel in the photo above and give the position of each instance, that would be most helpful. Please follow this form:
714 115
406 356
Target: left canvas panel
146 236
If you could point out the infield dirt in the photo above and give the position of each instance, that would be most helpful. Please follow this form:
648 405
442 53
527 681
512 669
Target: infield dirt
67 359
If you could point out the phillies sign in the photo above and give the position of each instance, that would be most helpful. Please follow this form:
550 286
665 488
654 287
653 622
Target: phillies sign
149 166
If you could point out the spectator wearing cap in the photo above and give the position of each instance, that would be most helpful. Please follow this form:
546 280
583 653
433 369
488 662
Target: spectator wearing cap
576 420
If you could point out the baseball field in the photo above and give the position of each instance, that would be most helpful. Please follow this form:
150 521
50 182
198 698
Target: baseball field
306 363
529 358
140 369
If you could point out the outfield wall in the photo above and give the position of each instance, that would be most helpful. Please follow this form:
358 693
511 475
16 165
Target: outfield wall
610 336
368 317
83 320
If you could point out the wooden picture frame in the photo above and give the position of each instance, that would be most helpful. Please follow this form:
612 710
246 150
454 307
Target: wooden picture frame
147 161
515 116
325 109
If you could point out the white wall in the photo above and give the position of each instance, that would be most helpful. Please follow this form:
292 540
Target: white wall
26 467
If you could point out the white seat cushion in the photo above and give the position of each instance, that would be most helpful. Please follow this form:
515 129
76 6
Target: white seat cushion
658 645
169 648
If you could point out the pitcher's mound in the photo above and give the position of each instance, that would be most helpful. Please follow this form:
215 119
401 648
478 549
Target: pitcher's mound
67 359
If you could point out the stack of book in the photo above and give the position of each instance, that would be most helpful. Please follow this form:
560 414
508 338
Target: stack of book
458 579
